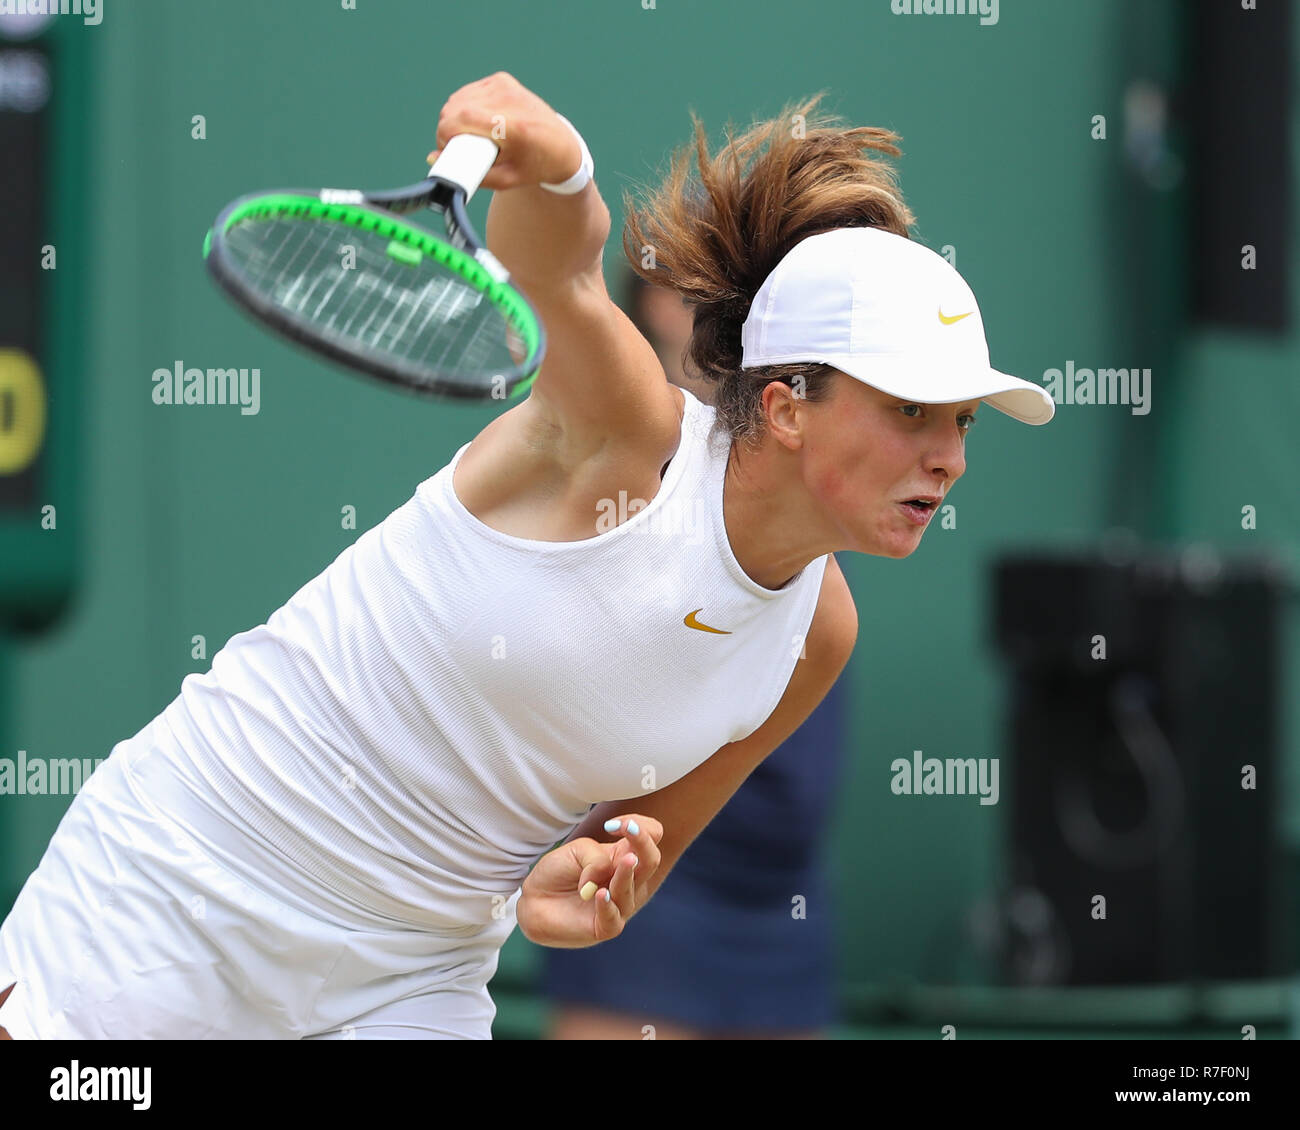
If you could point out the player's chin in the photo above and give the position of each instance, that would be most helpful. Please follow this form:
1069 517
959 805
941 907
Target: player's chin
903 543
893 544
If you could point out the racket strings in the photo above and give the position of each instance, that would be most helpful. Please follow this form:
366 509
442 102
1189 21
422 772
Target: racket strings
345 284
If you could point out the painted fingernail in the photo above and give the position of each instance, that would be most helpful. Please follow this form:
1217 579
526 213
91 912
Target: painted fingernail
613 825
589 888
632 828
607 895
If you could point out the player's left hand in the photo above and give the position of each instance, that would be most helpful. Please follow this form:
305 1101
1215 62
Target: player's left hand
552 909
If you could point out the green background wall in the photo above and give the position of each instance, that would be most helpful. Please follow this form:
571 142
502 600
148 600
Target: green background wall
200 520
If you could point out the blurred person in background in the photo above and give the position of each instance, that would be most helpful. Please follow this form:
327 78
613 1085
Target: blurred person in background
727 949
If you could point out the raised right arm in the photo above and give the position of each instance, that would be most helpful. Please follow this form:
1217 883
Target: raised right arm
601 381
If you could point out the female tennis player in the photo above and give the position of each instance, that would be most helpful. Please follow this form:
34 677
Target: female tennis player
588 627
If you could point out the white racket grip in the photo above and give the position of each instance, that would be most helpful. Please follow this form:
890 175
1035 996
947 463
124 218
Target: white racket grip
465 161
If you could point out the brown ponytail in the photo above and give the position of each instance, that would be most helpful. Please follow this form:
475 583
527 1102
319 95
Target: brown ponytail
715 240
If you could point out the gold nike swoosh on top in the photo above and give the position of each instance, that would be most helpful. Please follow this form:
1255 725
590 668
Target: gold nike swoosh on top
948 321
691 622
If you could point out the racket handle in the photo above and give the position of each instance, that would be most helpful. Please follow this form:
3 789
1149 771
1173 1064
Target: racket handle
465 161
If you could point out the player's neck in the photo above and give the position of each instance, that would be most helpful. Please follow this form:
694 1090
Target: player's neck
767 520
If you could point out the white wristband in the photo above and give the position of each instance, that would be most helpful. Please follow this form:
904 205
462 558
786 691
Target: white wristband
578 181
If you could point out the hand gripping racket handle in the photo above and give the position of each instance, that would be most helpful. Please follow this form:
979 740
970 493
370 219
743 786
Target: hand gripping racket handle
465 161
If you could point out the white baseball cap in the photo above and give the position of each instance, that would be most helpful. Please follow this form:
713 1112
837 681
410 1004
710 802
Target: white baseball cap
888 312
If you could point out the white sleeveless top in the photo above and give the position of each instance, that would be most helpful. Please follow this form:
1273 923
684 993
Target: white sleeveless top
430 714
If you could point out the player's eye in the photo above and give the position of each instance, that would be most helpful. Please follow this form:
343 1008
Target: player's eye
969 417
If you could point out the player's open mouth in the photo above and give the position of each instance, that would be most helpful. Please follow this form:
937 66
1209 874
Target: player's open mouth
918 510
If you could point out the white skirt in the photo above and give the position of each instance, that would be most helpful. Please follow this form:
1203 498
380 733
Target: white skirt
130 929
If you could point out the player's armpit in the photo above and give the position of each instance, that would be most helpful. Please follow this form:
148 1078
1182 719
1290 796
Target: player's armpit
601 381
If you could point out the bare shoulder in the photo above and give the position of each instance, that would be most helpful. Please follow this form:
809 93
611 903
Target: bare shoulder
826 652
834 628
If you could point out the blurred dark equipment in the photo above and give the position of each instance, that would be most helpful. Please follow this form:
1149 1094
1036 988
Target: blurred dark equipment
1238 116
1126 775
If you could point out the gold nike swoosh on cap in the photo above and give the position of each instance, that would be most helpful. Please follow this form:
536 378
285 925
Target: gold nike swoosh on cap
691 622
948 321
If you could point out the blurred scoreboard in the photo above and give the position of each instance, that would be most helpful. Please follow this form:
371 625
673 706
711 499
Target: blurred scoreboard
42 312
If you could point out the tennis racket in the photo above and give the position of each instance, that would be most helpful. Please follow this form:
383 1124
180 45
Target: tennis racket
339 272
